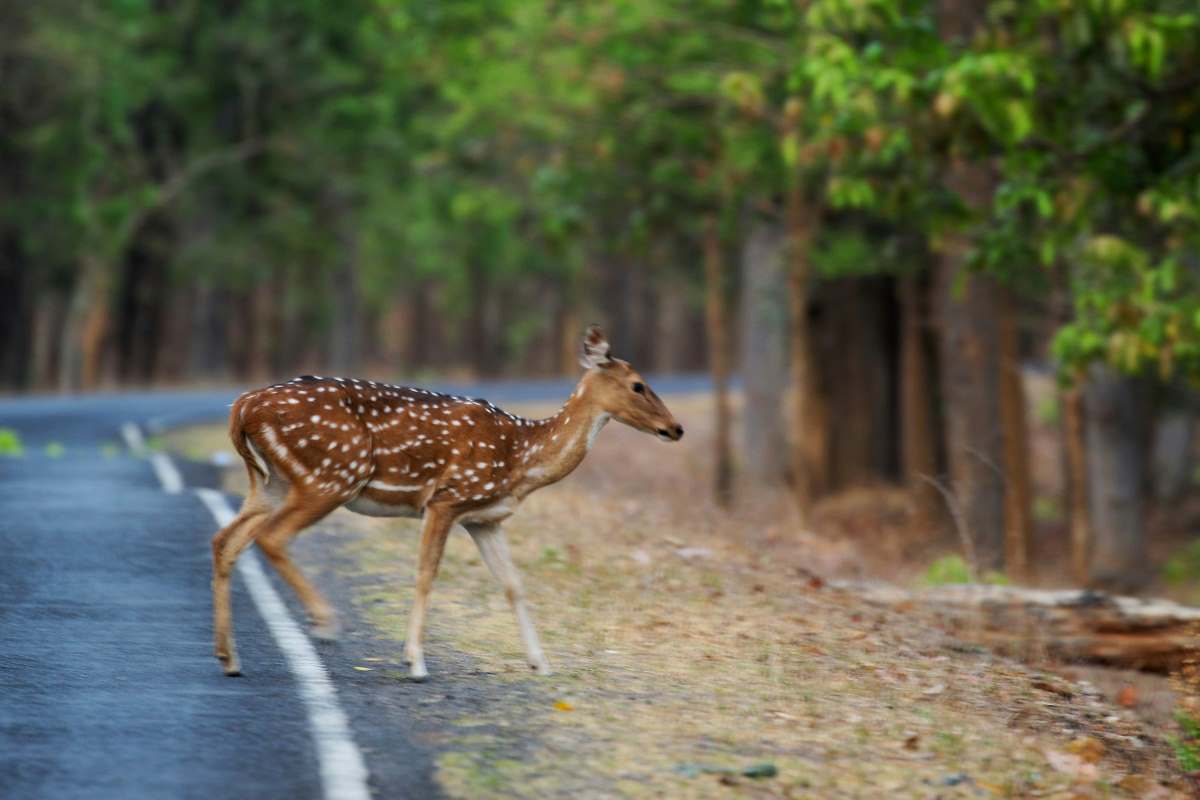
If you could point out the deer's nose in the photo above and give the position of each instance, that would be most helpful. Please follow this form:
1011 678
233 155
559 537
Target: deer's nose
678 432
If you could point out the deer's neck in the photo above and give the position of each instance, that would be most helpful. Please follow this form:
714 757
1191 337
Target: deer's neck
555 446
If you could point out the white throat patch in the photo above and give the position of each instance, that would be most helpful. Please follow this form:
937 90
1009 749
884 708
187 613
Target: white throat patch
599 423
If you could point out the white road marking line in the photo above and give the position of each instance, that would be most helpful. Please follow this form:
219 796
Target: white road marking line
168 474
134 440
343 771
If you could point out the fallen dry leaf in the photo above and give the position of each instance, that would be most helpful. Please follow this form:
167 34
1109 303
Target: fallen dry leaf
563 705
1088 748
1127 697
1071 765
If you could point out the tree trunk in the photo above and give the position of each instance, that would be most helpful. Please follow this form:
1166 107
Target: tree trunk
1174 445
49 322
1016 444
208 347
345 341
969 354
918 447
1118 428
1075 447
718 359
86 326
16 312
853 333
970 373
764 360
809 457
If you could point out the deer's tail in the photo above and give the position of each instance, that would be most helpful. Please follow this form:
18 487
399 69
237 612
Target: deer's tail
255 465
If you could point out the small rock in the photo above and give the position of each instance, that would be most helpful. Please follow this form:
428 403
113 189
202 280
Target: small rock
693 552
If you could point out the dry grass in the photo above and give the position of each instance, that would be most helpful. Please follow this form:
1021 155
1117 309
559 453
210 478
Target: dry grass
685 635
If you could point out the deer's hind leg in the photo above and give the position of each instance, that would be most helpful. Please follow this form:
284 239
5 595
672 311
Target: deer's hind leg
226 545
273 541
493 546
278 524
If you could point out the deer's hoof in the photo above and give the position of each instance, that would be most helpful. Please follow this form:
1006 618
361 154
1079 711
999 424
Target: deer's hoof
231 666
541 667
326 631
417 671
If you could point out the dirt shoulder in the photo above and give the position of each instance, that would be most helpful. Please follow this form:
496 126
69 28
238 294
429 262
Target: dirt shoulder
687 641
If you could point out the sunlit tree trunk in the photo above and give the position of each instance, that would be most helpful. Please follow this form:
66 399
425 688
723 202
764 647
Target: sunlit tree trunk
764 359
86 325
718 359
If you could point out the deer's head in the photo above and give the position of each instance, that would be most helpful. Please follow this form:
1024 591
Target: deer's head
619 390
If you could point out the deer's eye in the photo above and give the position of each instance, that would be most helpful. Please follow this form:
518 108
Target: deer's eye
639 387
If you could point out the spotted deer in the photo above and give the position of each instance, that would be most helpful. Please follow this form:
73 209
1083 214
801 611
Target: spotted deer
313 444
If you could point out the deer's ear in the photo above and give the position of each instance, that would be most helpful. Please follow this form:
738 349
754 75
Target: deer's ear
595 349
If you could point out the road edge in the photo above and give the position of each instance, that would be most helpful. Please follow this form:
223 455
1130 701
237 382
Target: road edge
343 770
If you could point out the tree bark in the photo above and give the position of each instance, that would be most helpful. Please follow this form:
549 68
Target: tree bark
970 374
854 335
718 360
1174 445
85 326
810 452
49 321
1118 411
764 360
969 352
1075 447
918 447
1016 443
345 341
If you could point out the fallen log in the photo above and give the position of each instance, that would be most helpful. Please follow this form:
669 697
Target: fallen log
1038 624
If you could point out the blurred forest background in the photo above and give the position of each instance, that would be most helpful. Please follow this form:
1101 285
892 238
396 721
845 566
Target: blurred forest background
889 218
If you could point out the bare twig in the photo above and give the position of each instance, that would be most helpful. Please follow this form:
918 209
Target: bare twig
960 523
180 181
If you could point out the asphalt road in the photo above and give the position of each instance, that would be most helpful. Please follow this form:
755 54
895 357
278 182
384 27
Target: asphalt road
108 687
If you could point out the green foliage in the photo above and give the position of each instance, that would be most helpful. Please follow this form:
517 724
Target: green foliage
947 569
498 146
1047 509
1187 745
954 569
10 443
1183 568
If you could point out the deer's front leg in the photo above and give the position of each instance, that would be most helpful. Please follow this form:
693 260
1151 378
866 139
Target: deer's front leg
493 546
434 531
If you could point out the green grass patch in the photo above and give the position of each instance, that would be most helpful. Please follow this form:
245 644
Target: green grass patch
10 443
954 569
1187 745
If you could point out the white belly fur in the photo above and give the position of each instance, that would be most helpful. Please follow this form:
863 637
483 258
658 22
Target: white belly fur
373 508
497 512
